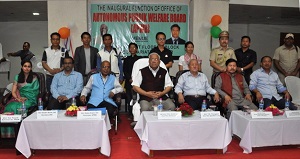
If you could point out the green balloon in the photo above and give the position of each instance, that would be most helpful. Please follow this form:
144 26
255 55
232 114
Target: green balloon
215 31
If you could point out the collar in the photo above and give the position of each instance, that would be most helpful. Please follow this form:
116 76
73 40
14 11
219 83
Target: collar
174 38
53 49
263 70
190 74
154 70
284 47
110 50
103 76
72 73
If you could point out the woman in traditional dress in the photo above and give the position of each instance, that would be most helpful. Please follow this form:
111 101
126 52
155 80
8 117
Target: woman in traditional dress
185 59
25 89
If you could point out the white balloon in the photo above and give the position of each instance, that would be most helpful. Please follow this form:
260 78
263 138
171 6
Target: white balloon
71 25
206 25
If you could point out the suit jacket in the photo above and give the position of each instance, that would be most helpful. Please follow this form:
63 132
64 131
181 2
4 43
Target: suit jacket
180 41
80 60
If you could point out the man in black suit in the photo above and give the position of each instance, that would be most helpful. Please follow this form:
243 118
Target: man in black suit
175 39
84 52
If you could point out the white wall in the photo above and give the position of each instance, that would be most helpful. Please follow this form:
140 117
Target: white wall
264 38
200 32
12 37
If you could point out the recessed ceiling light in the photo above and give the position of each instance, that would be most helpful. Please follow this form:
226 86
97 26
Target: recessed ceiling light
36 13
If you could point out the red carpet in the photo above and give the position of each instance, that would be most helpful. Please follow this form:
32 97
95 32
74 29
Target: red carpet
126 145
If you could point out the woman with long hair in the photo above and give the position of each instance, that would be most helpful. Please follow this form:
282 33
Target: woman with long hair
185 59
25 89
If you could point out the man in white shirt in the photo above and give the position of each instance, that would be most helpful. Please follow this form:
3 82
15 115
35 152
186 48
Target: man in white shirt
104 86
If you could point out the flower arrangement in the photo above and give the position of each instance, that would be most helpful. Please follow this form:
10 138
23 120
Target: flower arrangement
275 111
72 110
186 109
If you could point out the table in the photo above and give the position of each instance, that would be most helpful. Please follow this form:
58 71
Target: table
186 133
63 133
264 132
16 127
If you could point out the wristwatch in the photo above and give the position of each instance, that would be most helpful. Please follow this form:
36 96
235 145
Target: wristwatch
242 69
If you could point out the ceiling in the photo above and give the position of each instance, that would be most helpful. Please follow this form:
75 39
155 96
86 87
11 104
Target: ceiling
22 11
238 14
249 14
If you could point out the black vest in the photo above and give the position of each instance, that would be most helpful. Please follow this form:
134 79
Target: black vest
151 83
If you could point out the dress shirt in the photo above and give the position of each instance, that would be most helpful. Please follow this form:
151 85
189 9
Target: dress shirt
190 85
267 84
137 80
66 85
88 87
245 58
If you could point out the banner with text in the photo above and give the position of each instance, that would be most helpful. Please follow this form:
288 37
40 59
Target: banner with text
139 23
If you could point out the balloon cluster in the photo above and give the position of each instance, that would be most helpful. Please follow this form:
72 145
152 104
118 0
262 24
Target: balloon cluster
215 30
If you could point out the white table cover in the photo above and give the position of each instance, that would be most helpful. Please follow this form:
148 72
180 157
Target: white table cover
187 133
63 133
264 132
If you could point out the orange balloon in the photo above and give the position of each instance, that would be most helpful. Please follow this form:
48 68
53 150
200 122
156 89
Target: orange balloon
216 20
64 32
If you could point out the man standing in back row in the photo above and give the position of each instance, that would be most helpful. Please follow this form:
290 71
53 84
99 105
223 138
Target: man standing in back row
286 58
220 55
85 56
52 59
246 58
164 53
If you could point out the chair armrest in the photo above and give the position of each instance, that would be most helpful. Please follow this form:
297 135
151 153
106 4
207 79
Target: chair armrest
6 98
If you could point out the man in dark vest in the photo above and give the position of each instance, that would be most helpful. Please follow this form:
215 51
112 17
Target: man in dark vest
153 83
232 86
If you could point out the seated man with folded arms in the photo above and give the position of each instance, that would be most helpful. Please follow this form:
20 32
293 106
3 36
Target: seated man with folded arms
104 86
192 87
233 87
265 83
153 82
65 85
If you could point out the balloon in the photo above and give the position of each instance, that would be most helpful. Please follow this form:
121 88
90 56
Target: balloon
64 32
206 25
216 20
215 31
71 25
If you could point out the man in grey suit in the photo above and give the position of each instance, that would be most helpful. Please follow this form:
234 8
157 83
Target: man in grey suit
85 56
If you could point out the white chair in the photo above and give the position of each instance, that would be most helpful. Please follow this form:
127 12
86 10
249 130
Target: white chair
293 86
139 64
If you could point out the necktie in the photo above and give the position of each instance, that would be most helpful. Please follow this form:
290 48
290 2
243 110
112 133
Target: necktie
175 41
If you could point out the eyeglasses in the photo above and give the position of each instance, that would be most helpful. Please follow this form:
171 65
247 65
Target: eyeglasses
161 39
154 59
105 66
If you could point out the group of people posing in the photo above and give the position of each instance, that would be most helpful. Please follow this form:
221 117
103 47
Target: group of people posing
233 80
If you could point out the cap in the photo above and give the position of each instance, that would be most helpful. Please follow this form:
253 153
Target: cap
289 35
224 33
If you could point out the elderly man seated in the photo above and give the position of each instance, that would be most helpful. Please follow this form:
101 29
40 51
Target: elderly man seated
152 83
233 87
104 86
192 87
